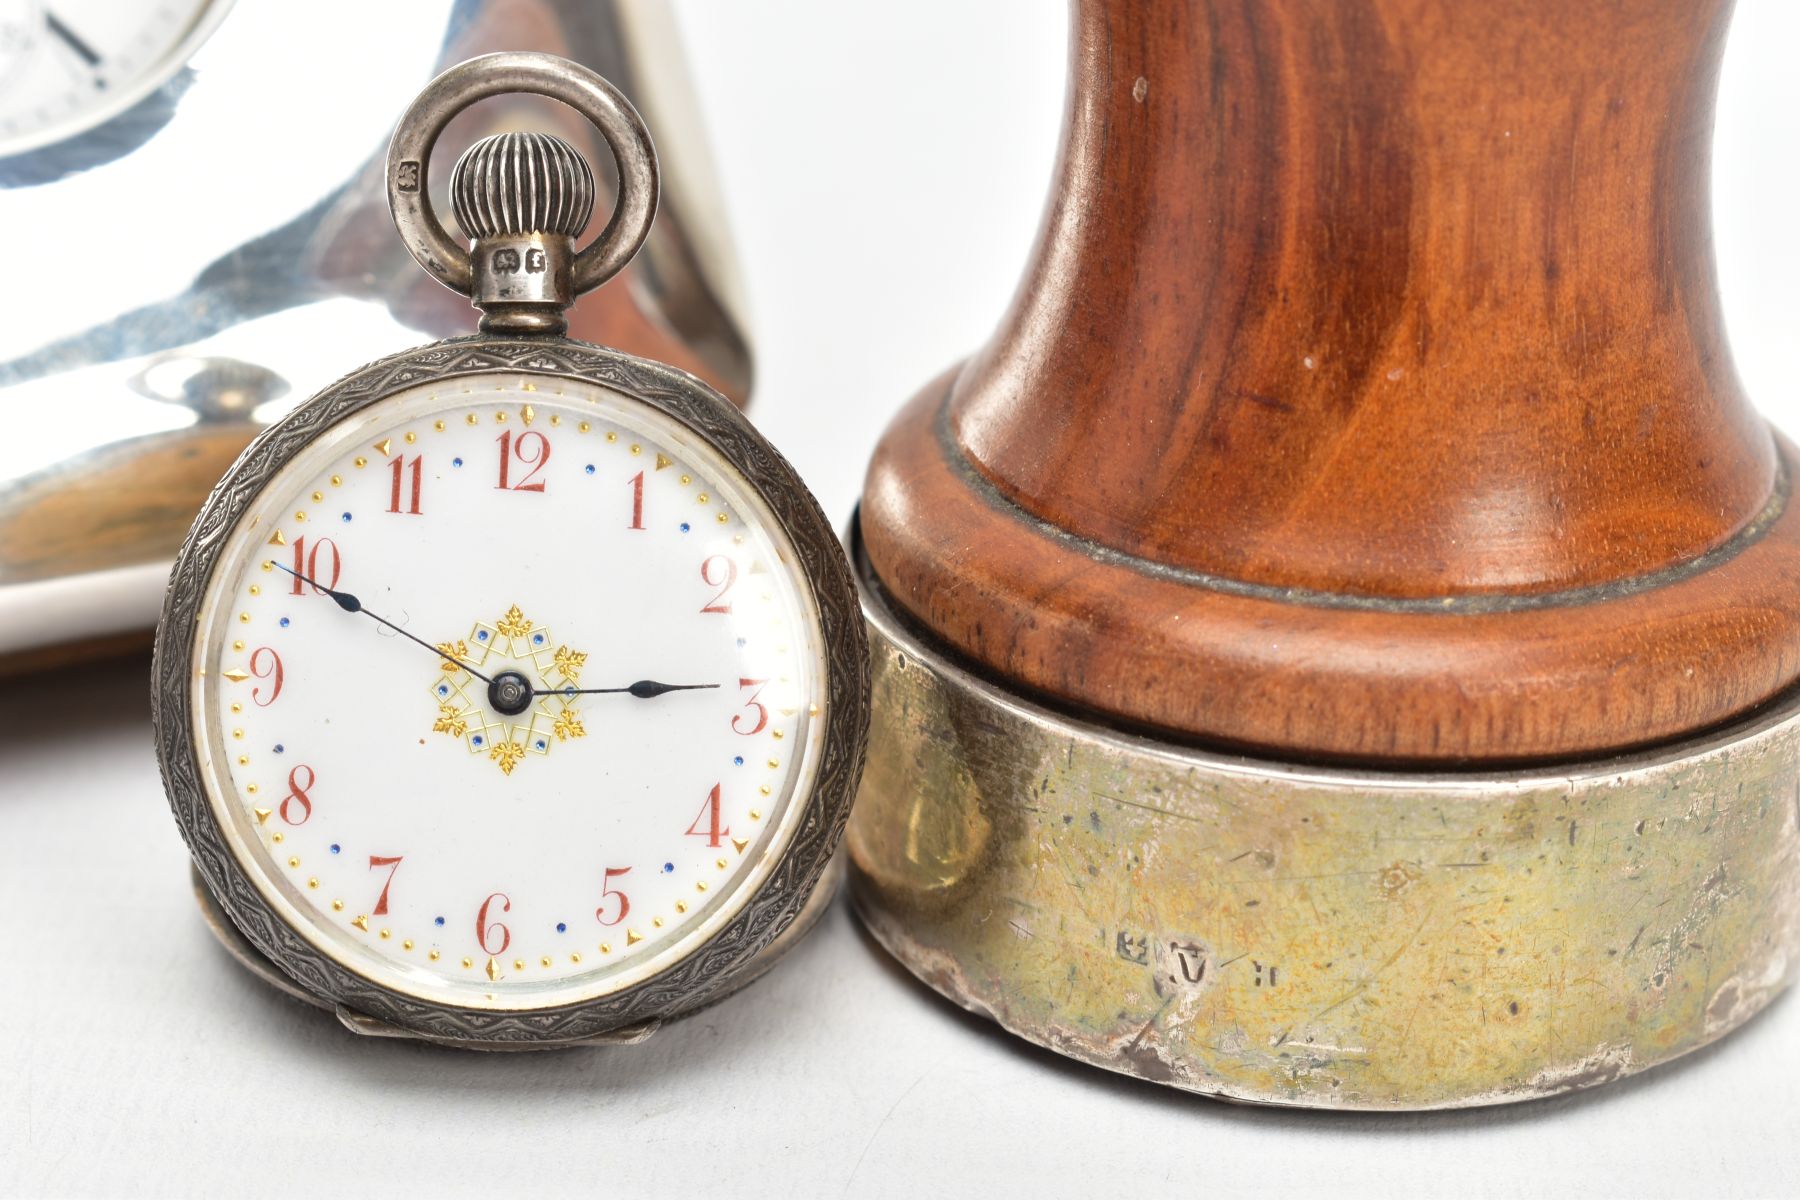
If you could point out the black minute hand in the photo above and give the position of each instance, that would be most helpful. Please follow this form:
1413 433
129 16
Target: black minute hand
351 604
643 689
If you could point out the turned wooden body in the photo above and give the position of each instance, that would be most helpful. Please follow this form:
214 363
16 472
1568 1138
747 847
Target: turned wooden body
1367 397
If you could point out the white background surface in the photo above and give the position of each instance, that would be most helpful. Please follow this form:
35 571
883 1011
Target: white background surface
884 168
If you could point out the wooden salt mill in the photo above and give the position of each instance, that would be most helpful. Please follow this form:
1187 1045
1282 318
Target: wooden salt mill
1334 641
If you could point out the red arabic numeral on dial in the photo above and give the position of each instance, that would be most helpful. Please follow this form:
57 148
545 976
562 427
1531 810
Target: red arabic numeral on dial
718 604
306 562
298 796
637 501
709 812
484 931
608 892
393 865
399 466
532 449
762 710
265 668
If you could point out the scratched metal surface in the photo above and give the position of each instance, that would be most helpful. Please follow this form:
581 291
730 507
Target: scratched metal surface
1341 940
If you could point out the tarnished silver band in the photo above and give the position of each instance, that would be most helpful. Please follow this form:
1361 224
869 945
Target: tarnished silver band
409 160
1310 936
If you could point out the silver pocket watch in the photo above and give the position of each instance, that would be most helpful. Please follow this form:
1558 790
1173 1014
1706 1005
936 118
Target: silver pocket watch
512 691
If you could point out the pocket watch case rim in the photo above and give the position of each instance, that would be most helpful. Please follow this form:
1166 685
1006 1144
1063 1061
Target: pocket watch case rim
251 959
714 966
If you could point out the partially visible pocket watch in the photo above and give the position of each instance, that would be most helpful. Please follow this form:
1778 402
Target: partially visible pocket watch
512 691
66 66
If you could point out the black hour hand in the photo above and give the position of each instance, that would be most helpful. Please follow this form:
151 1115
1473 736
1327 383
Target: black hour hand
643 689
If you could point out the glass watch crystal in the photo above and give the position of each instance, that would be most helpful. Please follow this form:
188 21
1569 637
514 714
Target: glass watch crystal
458 841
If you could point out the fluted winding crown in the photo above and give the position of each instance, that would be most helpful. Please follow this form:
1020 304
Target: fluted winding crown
518 183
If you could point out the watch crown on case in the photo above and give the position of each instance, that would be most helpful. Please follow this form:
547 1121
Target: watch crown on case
513 184
522 198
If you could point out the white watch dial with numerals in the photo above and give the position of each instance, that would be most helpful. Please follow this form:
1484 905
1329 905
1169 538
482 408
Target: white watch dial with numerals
507 692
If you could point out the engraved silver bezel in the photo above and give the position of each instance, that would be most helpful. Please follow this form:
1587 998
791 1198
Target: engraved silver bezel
708 971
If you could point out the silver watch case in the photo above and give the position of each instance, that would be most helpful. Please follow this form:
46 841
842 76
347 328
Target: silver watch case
712 968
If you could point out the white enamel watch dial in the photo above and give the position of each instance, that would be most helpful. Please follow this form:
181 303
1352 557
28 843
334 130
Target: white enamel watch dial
608 751
67 65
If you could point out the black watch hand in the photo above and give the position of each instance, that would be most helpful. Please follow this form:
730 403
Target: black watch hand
643 689
76 44
351 604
